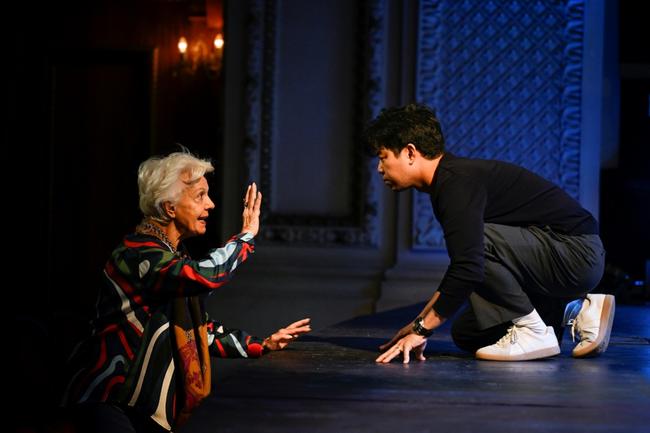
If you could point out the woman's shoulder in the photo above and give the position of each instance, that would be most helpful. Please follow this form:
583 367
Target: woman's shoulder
143 244
138 246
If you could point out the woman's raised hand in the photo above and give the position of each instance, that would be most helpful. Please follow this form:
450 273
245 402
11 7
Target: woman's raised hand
251 214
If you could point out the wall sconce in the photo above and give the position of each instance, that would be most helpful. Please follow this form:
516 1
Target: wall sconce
200 45
196 55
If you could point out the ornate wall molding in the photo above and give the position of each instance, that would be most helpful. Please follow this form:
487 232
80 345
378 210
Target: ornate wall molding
572 98
505 80
360 227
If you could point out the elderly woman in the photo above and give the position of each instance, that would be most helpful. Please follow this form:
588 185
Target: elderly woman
147 363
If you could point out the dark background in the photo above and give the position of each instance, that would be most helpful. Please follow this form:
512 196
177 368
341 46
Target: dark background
625 188
94 88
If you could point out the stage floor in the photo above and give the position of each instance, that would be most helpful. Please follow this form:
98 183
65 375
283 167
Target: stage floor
329 382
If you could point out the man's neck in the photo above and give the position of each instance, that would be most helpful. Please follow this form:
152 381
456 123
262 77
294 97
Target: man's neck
428 169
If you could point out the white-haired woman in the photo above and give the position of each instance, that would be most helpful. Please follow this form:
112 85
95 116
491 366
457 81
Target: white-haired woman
146 365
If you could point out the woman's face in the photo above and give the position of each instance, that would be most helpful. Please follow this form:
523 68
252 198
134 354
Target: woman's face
192 209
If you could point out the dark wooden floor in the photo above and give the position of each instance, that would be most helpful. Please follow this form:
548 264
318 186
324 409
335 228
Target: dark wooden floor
328 382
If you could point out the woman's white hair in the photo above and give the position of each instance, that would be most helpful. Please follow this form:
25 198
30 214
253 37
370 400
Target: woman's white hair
163 178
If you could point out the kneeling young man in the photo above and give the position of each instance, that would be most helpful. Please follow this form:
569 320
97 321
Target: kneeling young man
520 249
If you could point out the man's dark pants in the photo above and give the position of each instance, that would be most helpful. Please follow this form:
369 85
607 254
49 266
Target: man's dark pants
526 268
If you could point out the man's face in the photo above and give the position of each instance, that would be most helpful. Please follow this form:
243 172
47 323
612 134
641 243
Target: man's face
394 169
192 209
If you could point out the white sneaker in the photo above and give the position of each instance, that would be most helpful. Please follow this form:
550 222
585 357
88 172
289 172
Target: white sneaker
593 324
521 344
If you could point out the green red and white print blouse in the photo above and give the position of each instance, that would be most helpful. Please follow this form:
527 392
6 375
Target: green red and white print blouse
129 359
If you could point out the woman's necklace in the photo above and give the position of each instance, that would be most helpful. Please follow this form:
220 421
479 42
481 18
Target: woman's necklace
148 228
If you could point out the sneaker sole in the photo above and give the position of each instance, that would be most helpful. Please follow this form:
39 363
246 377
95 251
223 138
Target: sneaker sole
538 354
600 344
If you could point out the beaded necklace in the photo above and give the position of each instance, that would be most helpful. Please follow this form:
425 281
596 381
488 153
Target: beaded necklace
147 228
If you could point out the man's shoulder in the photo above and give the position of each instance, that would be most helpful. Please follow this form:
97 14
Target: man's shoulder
456 166
460 179
457 169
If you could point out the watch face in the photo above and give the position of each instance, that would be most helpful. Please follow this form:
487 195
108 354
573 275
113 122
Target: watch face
419 329
417 326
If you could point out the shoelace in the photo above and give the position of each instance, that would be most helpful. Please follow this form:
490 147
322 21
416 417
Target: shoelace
511 335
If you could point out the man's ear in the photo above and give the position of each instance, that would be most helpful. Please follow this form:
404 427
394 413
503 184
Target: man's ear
169 209
411 152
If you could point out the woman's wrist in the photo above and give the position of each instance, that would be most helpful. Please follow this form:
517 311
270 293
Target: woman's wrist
266 345
246 235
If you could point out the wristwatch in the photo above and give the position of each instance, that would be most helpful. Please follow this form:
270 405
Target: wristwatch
419 329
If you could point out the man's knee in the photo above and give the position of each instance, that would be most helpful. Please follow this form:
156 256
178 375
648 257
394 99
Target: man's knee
469 338
462 339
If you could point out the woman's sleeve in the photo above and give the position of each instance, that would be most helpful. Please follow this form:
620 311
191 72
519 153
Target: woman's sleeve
181 276
232 343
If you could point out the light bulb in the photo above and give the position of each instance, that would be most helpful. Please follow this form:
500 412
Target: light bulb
218 41
182 45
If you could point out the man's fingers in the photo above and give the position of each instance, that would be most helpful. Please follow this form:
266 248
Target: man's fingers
389 343
407 353
386 345
389 354
419 351
404 346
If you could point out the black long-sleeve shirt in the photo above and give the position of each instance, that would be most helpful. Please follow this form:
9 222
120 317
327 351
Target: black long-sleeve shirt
466 193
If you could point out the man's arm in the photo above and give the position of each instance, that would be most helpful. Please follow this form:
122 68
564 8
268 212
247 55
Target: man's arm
431 319
460 212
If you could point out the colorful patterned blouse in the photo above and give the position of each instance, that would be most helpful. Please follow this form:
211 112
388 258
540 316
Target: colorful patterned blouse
130 358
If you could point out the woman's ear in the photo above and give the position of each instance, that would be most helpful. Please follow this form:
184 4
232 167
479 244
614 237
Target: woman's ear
169 209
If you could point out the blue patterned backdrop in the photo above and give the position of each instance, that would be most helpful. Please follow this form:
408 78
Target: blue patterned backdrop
504 78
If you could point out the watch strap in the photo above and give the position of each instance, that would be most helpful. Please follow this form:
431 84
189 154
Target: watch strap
419 329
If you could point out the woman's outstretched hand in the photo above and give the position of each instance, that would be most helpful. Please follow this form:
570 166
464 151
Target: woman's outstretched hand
251 214
280 339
